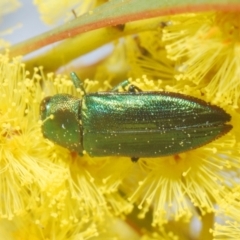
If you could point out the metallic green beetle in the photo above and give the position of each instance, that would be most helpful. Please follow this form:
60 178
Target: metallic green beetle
134 123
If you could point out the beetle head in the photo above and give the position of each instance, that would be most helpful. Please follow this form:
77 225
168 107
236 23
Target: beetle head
62 122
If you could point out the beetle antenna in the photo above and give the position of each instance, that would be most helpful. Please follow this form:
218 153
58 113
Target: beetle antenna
77 82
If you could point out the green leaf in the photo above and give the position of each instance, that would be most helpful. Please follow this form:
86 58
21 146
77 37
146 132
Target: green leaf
118 12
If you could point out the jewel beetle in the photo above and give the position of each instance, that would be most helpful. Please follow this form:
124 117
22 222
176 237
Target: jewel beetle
132 123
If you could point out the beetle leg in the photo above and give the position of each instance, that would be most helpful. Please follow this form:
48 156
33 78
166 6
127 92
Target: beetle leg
121 85
134 159
77 82
133 88
126 86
